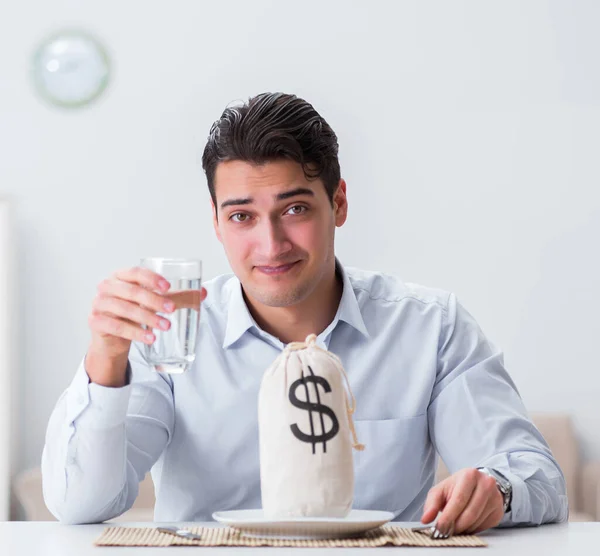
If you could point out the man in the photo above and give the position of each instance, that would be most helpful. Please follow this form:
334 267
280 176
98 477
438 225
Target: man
424 376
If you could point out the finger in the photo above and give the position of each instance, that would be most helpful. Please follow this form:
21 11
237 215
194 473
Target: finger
203 295
136 294
115 307
491 517
479 503
475 528
112 326
492 521
459 498
433 504
143 277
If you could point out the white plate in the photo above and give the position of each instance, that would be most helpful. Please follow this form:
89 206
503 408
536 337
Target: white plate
254 523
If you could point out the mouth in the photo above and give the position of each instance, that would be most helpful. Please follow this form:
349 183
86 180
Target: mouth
276 270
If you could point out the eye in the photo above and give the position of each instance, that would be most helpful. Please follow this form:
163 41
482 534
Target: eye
297 209
239 217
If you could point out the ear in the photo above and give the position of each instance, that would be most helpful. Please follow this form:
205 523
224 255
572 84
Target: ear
340 204
215 221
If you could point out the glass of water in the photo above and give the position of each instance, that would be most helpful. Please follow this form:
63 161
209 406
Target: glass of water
174 350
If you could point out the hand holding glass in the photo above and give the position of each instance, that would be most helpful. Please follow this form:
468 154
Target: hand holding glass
174 350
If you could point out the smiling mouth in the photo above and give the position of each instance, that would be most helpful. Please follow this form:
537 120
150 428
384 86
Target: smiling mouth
277 269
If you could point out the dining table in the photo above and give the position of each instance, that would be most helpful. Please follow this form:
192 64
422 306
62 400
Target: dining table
51 538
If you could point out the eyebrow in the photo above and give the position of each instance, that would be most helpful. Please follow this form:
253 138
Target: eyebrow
279 197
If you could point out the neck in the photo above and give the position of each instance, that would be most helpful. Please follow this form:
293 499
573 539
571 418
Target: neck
311 316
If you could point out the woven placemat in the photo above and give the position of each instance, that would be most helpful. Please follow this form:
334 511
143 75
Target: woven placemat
226 536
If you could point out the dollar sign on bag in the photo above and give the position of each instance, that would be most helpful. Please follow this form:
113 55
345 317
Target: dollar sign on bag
311 406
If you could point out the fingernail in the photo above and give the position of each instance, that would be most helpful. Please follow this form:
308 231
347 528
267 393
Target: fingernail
169 306
164 285
164 324
149 337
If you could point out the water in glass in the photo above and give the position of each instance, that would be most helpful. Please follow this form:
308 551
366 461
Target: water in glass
174 350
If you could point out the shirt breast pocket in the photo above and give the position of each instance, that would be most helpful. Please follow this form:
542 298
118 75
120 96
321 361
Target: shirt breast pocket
392 469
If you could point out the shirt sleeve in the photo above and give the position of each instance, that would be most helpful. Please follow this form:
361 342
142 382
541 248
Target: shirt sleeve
477 419
100 442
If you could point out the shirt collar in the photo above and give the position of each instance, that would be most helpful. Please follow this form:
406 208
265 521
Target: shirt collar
239 319
349 310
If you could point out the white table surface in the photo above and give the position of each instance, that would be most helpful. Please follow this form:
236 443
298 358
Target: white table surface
45 538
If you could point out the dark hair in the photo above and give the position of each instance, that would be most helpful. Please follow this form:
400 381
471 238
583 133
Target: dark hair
273 126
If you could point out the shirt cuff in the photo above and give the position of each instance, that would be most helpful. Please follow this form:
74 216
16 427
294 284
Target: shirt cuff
93 406
520 505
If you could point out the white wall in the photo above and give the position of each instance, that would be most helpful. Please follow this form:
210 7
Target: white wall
8 377
469 140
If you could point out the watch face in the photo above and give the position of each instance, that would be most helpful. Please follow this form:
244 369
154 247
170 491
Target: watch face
70 69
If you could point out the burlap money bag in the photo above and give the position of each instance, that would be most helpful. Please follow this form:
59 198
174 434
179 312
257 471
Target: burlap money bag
306 434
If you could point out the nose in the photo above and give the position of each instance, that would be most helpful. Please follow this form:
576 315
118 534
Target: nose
273 241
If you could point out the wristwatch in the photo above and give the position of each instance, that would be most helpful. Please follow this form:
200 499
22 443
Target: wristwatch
502 483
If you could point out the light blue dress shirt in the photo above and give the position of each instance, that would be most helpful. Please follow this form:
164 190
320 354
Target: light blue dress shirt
425 379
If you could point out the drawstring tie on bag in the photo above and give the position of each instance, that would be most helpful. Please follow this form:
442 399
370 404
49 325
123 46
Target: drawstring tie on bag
311 342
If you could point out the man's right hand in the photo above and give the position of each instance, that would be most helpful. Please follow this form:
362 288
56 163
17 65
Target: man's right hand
127 300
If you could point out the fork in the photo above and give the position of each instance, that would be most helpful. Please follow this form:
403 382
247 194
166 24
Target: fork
183 533
433 532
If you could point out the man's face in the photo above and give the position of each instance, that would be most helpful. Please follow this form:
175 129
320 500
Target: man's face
277 228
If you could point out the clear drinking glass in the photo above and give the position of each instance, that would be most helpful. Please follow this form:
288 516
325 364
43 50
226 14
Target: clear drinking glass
174 350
